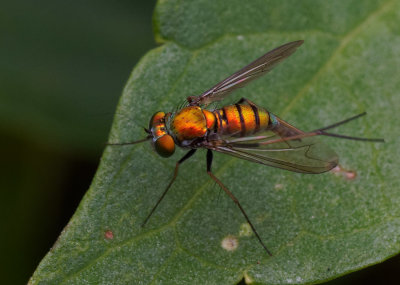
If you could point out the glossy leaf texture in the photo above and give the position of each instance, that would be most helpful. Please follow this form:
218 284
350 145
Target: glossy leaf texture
318 227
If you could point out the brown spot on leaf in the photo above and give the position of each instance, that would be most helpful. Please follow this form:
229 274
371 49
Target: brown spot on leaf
348 174
108 235
230 243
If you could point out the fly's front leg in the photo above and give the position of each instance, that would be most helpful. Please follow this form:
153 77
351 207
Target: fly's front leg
230 194
186 156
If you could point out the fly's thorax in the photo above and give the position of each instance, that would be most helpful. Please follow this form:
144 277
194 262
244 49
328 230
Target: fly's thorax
162 142
188 124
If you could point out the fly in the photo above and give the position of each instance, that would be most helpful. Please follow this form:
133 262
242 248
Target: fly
244 130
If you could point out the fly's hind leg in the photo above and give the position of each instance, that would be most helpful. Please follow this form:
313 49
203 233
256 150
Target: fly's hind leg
230 194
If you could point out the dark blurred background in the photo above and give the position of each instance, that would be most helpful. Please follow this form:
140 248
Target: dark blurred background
63 65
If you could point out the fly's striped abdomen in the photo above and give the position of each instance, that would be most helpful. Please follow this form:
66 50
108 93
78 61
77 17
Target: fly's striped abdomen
241 120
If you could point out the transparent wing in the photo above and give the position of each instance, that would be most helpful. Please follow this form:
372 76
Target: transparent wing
283 147
248 73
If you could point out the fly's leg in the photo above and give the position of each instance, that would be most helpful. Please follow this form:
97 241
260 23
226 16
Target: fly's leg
245 100
187 155
230 194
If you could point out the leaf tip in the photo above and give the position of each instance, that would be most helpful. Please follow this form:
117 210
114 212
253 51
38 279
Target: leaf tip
247 278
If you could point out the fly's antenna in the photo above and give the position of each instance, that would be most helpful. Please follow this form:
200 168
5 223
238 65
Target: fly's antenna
321 131
130 143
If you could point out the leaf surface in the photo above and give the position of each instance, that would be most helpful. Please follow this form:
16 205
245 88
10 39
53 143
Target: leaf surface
318 227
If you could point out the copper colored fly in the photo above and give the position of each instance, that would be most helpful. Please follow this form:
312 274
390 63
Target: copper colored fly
244 130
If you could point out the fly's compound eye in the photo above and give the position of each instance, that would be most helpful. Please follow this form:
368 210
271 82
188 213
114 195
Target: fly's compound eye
165 146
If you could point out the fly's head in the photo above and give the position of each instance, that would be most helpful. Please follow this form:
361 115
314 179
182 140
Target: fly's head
162 142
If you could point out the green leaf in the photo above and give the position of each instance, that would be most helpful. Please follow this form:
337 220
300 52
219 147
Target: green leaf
318 227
